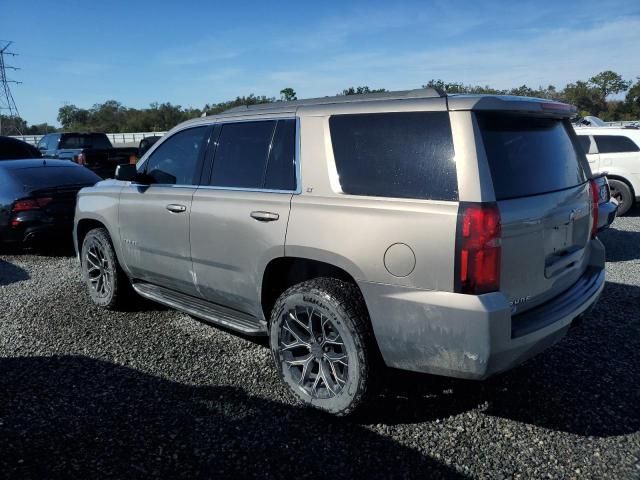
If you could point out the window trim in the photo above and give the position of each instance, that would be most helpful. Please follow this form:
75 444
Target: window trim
296 160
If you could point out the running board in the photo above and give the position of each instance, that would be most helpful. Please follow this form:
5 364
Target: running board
203 309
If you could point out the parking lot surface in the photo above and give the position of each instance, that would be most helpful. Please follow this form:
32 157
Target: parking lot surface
86 393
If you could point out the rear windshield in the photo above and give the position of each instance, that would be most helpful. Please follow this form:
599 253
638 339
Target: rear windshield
530 156
91 140
46 177
12 149
402 155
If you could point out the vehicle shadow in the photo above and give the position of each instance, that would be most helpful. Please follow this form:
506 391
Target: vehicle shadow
10 273
76 417
621 245
586 385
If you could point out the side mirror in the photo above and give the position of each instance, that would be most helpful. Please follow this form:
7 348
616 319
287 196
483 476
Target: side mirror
126 172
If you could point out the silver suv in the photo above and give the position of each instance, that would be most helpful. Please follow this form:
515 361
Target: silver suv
454 235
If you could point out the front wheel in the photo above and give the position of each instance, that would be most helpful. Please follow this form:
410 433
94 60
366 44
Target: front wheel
322 344
107 283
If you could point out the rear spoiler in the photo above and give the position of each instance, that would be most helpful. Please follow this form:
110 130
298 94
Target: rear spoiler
540 106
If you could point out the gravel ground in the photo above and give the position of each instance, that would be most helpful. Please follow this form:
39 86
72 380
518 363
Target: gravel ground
151 392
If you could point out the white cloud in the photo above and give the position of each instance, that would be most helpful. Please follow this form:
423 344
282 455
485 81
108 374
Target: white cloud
556 56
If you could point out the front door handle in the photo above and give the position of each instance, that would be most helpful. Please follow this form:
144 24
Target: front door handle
265 216
175 208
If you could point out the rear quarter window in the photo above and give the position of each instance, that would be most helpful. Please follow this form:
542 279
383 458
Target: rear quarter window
401 155
531 155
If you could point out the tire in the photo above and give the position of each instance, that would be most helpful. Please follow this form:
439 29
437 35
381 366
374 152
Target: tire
322 344
622 193
107 283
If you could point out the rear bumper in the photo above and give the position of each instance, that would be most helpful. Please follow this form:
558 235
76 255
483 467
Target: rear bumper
469 336
35 233
607 214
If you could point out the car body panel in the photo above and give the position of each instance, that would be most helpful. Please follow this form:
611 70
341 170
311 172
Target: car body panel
154 240
223 231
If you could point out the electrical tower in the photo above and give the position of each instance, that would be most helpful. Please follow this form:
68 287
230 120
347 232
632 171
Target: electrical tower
8 108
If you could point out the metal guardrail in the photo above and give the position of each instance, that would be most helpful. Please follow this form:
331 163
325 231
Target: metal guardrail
115 138
627 123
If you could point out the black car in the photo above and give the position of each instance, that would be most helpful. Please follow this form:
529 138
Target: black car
14 149
38 199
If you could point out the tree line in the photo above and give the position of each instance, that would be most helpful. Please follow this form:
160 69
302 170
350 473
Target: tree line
592 97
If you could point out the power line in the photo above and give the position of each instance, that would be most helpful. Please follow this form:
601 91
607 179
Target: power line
6 97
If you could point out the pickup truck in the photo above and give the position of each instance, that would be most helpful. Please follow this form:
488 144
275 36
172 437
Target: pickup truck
93 150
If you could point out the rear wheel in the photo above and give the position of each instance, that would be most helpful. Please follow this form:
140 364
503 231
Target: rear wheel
622 193
322 344
107 283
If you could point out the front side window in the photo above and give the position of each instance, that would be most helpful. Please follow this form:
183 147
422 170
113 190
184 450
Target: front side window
175 161
52 142
256 155
42 144
401 155
615 144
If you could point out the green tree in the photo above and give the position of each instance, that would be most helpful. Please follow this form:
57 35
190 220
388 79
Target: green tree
288 94
608 83
361 90
456 87
69 116
587 98
632 100
251 99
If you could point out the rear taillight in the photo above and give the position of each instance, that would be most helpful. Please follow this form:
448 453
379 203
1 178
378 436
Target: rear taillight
595 199
26 204
478 248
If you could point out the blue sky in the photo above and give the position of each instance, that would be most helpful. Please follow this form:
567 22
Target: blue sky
192 53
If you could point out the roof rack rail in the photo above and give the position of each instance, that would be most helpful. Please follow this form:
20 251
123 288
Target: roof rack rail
365 97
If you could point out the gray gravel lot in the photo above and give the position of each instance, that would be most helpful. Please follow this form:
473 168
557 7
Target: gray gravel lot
151 392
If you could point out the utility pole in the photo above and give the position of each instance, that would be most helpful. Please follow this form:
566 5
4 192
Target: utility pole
7 103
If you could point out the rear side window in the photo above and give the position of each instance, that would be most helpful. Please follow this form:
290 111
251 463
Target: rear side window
85 141
530 155
258 155
175 161
281 168
615 144
401 155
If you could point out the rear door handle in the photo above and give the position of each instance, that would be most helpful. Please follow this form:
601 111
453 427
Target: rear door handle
265 216
175 208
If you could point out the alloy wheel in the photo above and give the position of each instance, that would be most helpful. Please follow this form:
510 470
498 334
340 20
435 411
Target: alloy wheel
313 352
99 269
